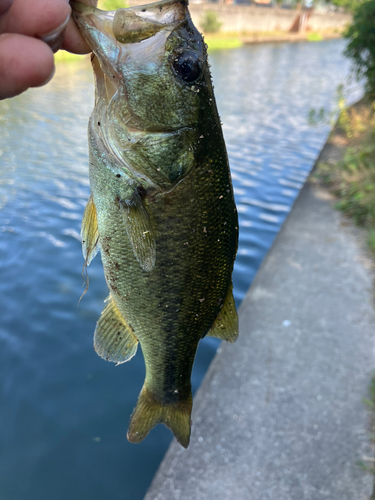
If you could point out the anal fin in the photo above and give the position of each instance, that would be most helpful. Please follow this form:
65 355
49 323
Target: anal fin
113 337
140 232
225 326
89 232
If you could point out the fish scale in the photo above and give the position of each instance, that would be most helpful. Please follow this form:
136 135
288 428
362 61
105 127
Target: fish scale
162 207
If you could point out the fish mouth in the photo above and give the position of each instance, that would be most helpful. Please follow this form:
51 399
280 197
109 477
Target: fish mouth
131 23
114 38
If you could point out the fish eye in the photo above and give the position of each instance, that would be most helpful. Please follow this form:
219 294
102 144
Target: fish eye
187 66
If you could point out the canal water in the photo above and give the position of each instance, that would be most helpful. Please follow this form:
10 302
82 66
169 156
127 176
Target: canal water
64 411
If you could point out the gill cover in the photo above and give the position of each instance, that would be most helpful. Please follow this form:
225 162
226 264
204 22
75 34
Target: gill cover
149 65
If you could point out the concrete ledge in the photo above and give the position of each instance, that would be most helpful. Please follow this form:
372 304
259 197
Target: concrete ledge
280 414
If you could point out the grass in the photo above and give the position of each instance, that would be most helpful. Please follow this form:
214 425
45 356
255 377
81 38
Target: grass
112 4
314 37
352 179
219 42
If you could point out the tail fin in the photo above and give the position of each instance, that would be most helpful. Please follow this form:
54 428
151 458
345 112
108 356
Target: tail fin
150 412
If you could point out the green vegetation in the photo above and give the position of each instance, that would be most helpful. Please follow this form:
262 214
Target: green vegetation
352 179
347 5
321 116
314 37
367 464
112 4
210 22
66 57
220 42
361 46
371 400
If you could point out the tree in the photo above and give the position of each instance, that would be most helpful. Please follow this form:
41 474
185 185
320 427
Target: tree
361 47
347 5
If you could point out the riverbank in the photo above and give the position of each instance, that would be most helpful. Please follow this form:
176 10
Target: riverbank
254 18
281 413
289 37
234 40
347 166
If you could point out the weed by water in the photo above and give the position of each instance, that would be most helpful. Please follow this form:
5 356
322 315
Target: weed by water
220 43
314 37
112 4
371 240
370 401
352 180
350 121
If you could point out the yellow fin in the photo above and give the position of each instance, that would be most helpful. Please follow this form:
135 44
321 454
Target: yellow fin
113 338
141 235
89 232
150 412
225 326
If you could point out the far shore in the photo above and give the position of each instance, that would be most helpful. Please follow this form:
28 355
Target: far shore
289 37
216 41
222 41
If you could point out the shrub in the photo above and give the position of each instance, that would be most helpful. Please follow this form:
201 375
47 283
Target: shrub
361 47
209 22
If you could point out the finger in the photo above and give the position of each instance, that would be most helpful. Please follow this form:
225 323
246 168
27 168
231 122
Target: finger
74 41
24 62
4 6
44 19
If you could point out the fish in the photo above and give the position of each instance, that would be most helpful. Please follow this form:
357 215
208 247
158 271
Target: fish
161 209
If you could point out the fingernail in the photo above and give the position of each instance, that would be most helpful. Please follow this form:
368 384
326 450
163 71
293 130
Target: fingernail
55 38
48 79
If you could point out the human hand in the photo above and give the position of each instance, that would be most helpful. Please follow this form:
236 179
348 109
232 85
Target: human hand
30 31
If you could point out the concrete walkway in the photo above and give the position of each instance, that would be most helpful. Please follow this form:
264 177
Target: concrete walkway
280 414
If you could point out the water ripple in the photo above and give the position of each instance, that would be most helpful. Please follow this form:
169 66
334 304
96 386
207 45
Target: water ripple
63 410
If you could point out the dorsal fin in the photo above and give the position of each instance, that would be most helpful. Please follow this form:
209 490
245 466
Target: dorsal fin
225 326
89 232
114 339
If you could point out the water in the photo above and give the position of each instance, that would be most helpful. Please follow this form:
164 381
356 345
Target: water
64 411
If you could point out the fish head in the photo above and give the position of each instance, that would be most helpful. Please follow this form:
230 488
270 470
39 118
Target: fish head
152 84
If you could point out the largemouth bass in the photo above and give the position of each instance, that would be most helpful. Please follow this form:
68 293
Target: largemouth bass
162 210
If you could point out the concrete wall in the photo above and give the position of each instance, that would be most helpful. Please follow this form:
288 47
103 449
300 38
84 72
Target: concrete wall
327 21
244 18
237 18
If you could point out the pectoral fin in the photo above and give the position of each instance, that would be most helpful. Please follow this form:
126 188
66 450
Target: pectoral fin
139 229
89 232
226 323
113 338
